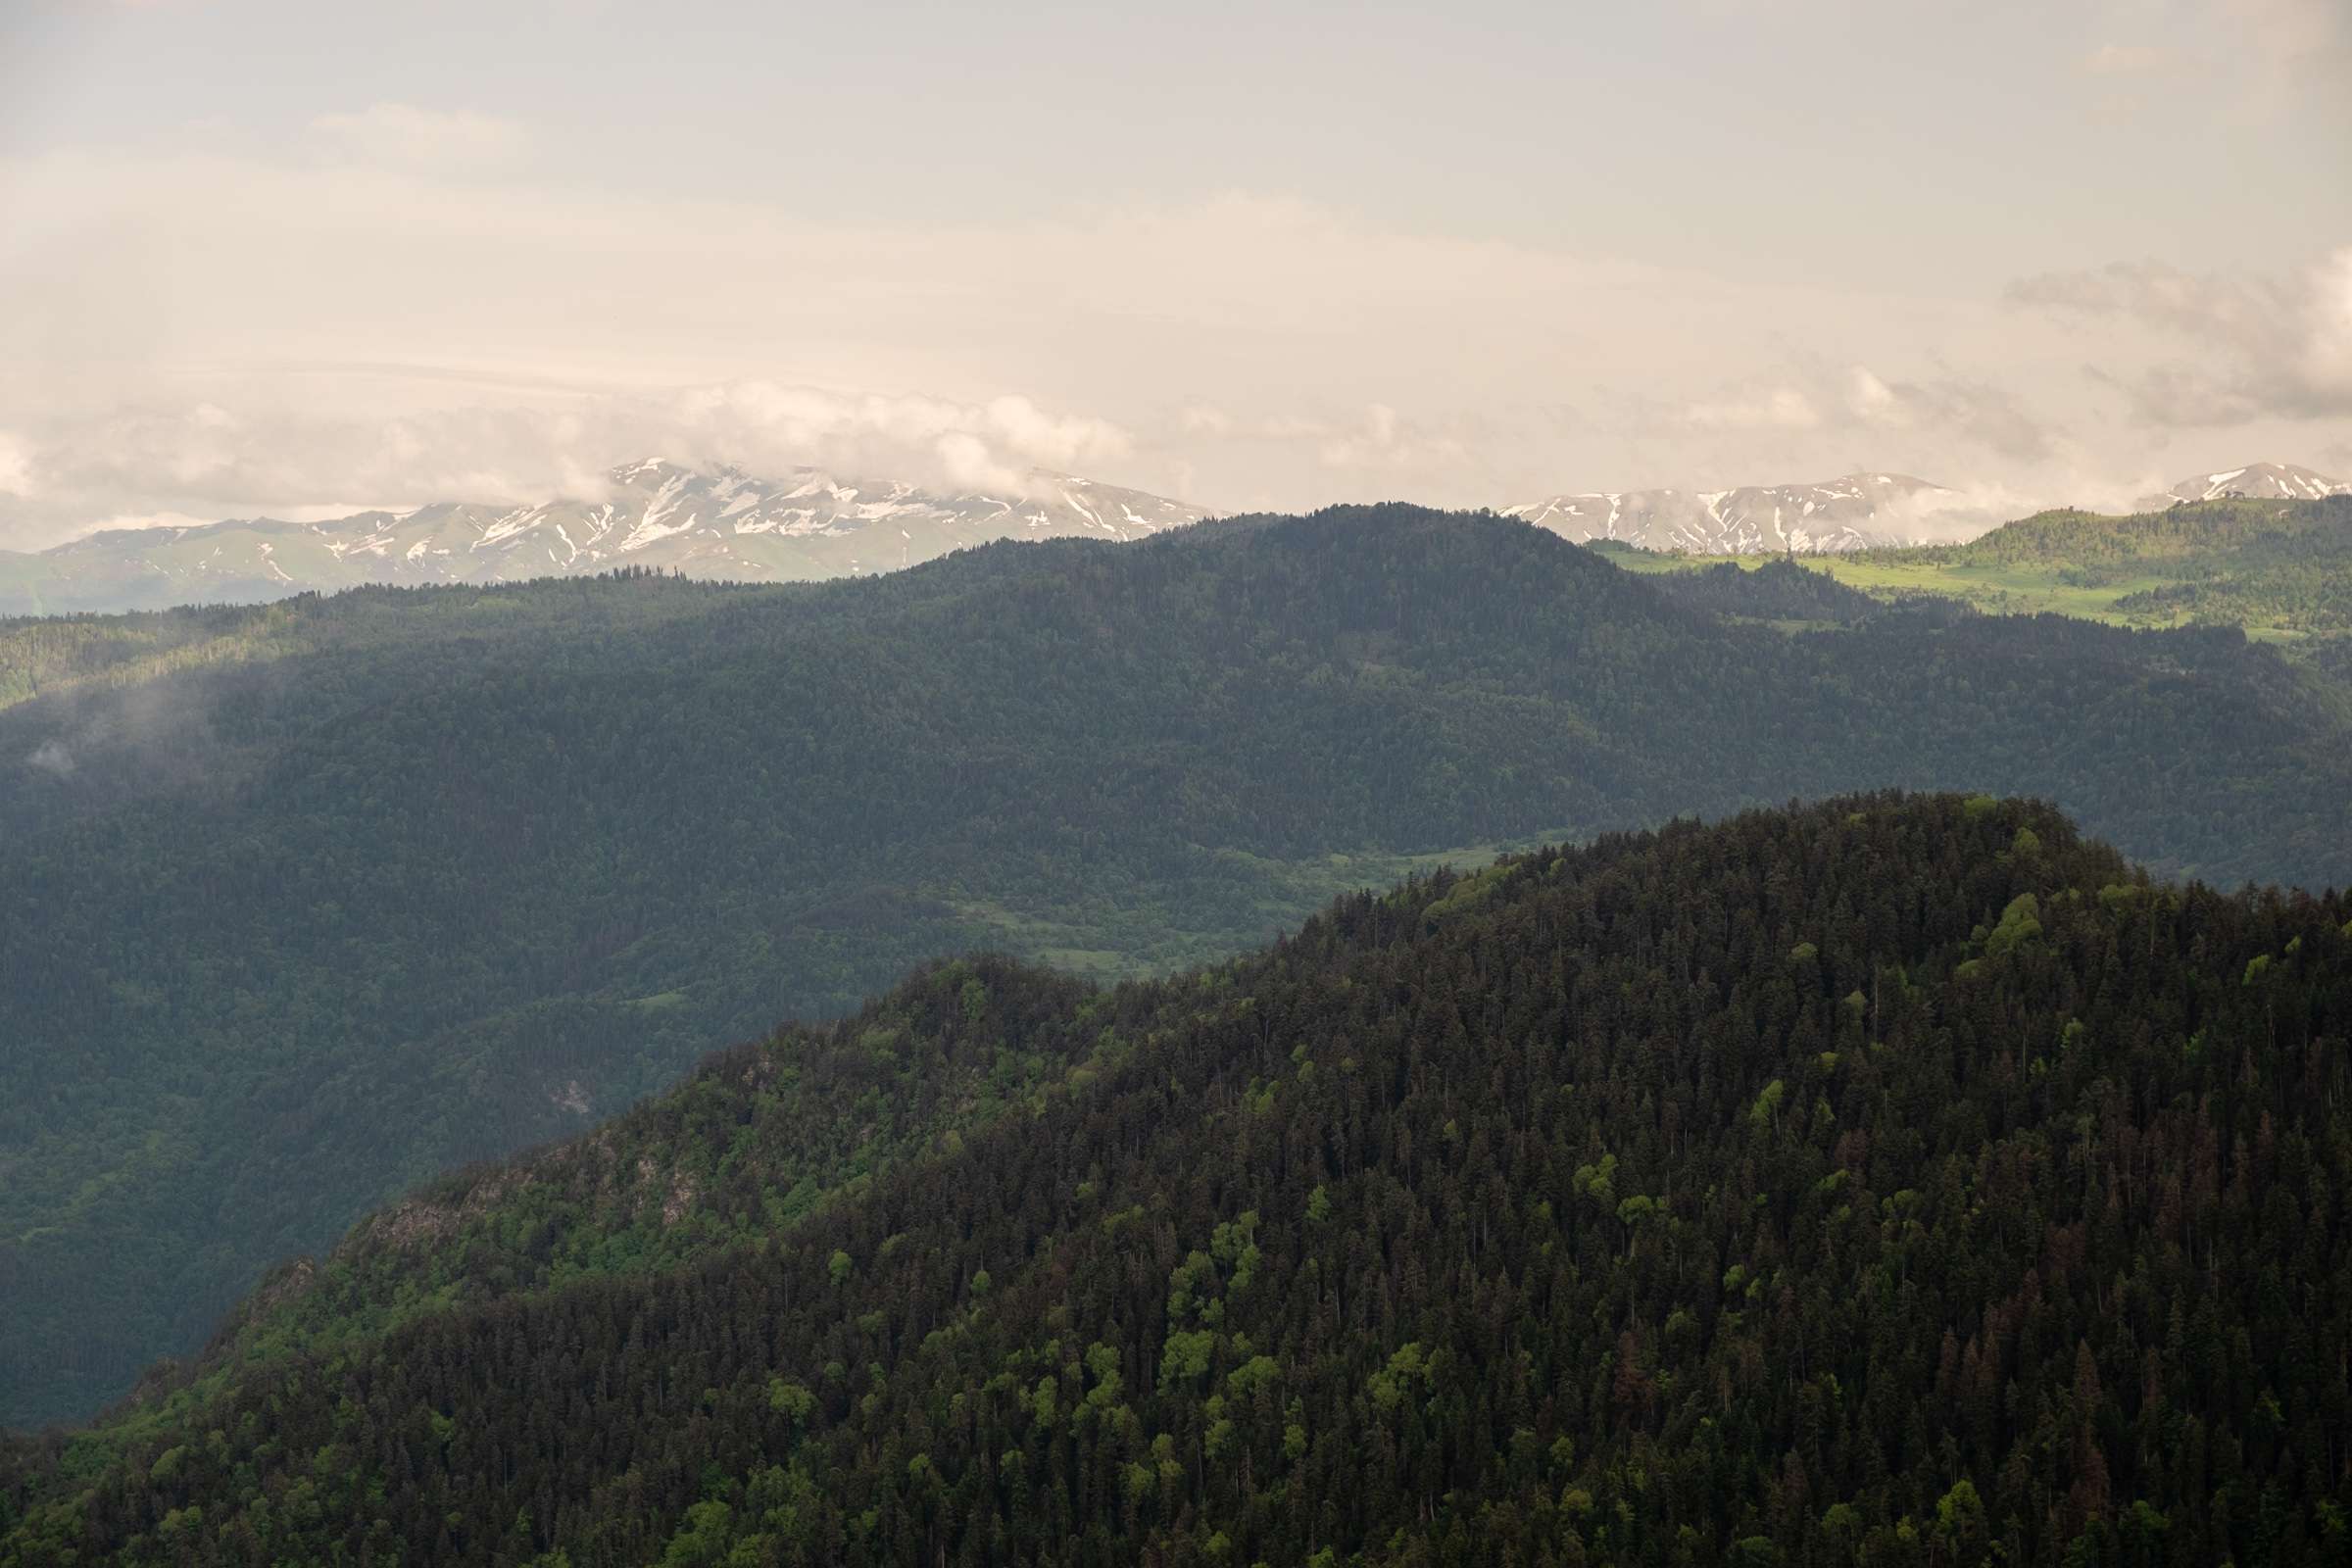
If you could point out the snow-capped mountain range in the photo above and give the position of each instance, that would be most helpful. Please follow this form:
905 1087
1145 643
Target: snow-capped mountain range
2258 481
727 523
1854 512
720 522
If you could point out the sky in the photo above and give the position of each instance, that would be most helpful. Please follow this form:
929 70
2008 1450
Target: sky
265 256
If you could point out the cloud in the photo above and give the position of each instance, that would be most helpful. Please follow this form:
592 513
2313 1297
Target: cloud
204 459
1385 440
1934 410
2257 347
970 465
767 424
207 332
1967 510
1988 415
1376 440
406 136
16 465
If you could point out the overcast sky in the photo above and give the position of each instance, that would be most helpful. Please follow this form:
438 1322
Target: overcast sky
289 257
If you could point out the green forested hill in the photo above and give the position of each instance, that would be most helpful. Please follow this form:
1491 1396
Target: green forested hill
2284 565
1898 1181
363 887
2281 570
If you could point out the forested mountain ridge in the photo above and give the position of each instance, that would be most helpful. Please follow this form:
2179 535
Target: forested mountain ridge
1893 1180
373 885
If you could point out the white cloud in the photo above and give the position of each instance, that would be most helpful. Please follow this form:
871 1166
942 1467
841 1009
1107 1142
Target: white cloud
1384 440
2275 346
764 423
159 464
202 334
970 465
1956 417
1373 445
1977 411
16 465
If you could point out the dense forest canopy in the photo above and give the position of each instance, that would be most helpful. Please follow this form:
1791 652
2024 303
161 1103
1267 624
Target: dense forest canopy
1779 590
368 886
1896 1181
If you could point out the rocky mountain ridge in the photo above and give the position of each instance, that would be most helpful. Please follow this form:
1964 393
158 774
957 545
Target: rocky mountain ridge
705 522
1857 512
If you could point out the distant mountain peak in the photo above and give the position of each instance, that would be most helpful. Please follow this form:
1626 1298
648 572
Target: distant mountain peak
2256 481
1853 512
716 522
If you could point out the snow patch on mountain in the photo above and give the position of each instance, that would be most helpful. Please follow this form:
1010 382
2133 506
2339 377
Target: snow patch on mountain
1854 512
717 523
2256 481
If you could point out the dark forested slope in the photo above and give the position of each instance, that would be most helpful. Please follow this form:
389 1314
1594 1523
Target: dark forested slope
363 887
1894 1181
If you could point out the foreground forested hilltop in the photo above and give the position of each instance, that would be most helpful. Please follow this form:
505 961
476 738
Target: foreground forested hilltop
361 888
1893 1180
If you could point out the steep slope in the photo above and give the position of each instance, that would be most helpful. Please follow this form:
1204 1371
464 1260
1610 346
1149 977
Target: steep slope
366 886
760 1136
1887 1180
1854 512
717 523
2257 481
